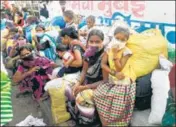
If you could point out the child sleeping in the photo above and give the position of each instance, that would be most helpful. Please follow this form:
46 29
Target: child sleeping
67 58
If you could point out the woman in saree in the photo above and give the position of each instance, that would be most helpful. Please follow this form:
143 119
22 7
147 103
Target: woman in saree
46 42
11 60
114 99
32 73
91 77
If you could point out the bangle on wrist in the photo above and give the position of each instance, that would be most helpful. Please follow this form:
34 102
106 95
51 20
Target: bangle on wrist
113 72
79 81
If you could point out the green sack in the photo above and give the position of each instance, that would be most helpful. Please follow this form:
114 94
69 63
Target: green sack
6 103
169 118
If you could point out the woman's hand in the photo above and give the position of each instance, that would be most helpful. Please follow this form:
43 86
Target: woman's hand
15 45
36 68
120 75
79 89
74 87
115 50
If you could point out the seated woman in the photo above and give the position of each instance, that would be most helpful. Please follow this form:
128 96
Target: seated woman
83 32
19 41
91 75
5 31
46 42
8 41
69 37
32 73
114 100
69 19
18 19
31 20
11 60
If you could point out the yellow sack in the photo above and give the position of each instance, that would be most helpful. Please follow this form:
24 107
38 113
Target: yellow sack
58 105
146 48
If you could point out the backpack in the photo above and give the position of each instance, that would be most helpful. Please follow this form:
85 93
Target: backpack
143 92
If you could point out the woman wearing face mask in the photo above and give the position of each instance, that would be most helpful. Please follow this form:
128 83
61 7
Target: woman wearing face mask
32 73
115 99
18 42
46 42
13 55
91 72
9 42
91 75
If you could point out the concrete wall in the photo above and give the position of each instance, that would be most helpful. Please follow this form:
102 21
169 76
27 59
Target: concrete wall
140 15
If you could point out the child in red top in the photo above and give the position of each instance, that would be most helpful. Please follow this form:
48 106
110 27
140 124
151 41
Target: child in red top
19 21
67 57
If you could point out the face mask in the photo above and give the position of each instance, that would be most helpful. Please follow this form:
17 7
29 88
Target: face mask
28 57
21 42
117 44
91 51
122 45
39 34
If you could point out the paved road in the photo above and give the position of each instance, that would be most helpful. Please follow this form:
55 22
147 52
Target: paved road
24 106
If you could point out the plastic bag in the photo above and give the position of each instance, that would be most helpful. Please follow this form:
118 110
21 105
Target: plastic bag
160 86
164 63
31 121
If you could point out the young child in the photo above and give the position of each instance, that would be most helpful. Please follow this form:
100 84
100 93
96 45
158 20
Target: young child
113 62
64 54
67 58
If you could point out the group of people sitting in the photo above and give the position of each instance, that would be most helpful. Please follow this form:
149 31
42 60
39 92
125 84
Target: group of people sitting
77 59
